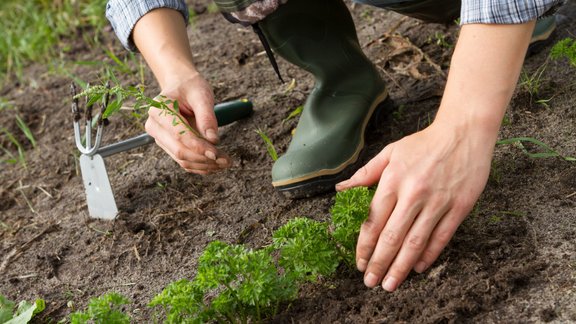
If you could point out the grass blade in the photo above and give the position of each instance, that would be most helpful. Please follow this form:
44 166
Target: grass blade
269 145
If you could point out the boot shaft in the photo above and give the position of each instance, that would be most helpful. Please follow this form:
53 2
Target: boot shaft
320 37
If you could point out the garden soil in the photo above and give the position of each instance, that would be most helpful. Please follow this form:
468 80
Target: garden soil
512 260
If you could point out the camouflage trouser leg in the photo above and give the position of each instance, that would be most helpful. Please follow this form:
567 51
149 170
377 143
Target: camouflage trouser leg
439 11
248 12
252 11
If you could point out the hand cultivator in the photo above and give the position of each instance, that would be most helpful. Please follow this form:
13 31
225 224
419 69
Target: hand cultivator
99 194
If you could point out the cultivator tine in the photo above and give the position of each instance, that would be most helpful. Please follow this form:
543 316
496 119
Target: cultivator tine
86 147
88 129
77 117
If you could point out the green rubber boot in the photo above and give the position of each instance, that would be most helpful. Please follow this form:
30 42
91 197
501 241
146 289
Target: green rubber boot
319 36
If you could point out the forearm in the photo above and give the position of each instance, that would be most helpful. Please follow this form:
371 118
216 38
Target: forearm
161 38
484 71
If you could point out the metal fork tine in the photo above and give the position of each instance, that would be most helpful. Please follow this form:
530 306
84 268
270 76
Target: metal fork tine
77 118
88 138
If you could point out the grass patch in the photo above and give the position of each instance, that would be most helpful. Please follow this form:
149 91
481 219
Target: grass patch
34 30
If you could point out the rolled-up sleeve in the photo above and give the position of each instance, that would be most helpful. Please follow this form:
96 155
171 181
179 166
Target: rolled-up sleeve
124 14
506 11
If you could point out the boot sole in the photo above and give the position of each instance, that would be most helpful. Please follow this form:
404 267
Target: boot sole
325 181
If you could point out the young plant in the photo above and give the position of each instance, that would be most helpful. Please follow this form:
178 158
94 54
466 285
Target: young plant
307 250
565 48
547 152
11 157
233 284
142 102
269 145
182 301
236 284
9 140
103 310
21 314
350 210
293 114
532 82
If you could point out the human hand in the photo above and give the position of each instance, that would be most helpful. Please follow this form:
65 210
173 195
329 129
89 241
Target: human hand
194 154
427 184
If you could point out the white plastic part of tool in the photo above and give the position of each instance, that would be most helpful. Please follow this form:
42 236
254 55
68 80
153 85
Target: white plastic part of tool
99 195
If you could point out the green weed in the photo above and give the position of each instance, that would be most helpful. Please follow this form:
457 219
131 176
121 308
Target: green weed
440 39
118 95
102 310
9 140
293 114
565 48
269 145
547 151
23 313
532 82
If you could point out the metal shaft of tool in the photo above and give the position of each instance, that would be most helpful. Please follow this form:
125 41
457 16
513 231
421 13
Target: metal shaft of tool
132 143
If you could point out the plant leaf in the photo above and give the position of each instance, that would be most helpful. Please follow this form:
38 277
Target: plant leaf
26 311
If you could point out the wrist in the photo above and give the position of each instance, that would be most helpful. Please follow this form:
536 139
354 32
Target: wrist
479 130
172 75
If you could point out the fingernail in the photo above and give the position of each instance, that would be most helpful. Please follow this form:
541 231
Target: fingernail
210 155
221 161
420 267
370 280
211 135
390 284
341 185
361 264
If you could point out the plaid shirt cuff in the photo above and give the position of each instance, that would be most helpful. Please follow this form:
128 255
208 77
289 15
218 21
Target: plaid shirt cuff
506 11
124 14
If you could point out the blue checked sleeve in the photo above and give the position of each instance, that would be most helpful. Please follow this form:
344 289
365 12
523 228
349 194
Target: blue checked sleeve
506 11
124 14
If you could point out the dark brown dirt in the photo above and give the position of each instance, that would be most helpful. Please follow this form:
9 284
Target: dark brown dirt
512 260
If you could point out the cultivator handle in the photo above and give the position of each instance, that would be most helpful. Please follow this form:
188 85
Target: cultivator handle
231 111
226 113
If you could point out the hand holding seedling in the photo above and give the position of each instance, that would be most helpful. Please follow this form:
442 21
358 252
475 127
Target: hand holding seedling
428 182
171 61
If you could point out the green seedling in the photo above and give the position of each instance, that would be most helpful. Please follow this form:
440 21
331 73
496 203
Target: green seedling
269 145
293 114
532 82
9 139
565 48
547 151
25 130
11 157
497 217
307 250
9 314
119 95
441 40
350 210
235 284
103 310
